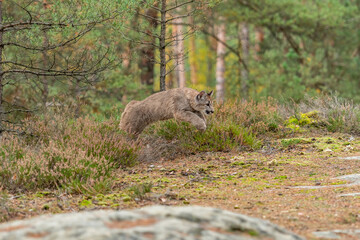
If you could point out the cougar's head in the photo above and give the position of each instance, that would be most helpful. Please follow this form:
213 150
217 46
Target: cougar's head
204 102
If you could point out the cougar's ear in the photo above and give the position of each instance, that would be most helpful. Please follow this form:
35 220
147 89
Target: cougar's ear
210 93
200 95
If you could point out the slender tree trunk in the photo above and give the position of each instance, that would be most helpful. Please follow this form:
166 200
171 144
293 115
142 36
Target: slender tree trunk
162 46
1 67
180 66
45 82
192 52
259 38
192 60
146 63
126 62
244 36
170 80
220 63
76 96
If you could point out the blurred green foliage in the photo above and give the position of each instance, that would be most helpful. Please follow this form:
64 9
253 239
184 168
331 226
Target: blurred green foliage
308 47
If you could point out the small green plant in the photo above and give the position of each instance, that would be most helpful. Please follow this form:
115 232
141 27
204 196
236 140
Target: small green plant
290 142
281 177
5 210
140 191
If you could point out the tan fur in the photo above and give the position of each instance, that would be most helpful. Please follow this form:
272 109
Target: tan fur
183 104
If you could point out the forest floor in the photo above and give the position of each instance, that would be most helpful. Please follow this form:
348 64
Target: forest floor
290 182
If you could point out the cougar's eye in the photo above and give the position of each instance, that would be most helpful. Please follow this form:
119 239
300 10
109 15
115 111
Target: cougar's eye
208 104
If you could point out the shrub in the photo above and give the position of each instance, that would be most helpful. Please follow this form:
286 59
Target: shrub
217 137
75 154
140 191
335 113
233 125
259 117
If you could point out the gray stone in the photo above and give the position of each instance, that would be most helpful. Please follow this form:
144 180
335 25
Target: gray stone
333 234
350 158
326 235
155 222
349 194
354 180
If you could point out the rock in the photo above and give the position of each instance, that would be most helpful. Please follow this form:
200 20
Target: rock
155 222
350 158
326 235
350 194
333 234
354 180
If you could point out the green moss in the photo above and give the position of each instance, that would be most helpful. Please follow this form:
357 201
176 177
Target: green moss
86 203
238 163
126 198
115 205
46 207
303 119
163 180
341 182
281 177
290 142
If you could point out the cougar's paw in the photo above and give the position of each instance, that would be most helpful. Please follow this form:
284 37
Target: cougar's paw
201 126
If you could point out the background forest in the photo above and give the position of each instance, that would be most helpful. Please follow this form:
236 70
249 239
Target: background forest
99 55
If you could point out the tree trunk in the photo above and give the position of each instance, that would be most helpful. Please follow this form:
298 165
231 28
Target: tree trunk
76 96
146 63
180 66
244 37
259 38
1 68
162 49
45 82
220 63
192 52
126 63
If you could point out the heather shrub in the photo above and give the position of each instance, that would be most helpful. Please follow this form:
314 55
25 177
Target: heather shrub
332 112
57 152
97 139
234 124
258 117
217 137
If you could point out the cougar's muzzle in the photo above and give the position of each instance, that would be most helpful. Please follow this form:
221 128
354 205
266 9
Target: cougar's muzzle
209 112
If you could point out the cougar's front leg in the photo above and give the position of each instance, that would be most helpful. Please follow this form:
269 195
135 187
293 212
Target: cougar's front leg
201 115
191 118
